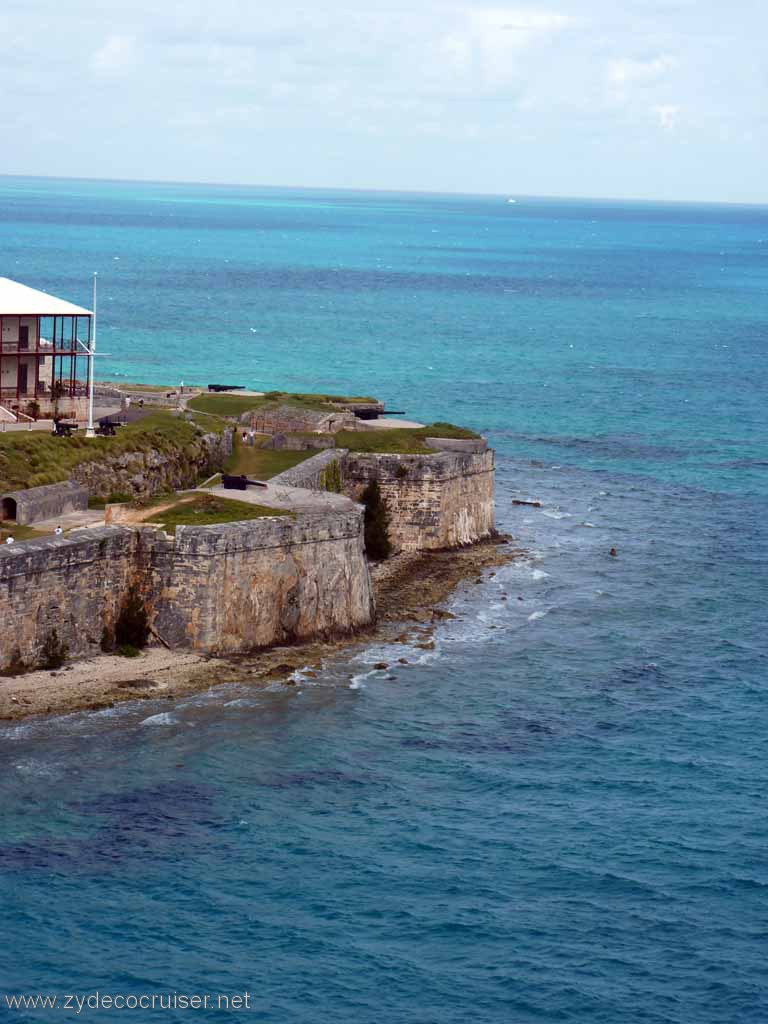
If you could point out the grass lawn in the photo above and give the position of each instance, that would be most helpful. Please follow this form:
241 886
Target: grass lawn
263 463
20 532
207 510
32 458
400 441
236 405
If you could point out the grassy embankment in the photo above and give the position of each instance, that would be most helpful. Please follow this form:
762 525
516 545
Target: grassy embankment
255 461
400 441
405 440
236 405
208 510
32 458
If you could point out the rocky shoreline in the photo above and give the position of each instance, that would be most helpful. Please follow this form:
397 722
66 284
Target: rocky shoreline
409 590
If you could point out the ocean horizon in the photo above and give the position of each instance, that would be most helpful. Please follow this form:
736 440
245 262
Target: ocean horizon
556 814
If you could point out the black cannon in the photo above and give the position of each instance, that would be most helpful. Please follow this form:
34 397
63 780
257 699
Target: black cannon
107 428
226 387
238 483
63 429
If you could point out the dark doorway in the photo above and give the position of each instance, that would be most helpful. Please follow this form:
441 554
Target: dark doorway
23 374
9 508
23 336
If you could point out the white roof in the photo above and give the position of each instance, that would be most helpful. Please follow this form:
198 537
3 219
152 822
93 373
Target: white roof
17 300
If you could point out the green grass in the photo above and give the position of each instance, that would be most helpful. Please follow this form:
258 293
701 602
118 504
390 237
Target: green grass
236 405
209 509
263 463
20 532
149 388
32 458
399 441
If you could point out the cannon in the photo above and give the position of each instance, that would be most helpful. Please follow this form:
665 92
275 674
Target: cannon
238 482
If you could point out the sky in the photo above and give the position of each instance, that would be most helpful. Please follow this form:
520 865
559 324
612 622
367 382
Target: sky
655 99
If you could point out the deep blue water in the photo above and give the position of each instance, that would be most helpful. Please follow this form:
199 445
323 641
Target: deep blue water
558 814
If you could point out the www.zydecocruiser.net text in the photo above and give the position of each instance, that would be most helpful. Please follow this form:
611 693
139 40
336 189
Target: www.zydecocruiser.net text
74 1003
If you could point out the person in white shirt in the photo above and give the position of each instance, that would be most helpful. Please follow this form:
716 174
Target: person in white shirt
58 531
9 540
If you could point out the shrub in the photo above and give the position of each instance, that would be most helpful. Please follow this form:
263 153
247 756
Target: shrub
377 542
330 478
53 653
132 624
16 666
127 651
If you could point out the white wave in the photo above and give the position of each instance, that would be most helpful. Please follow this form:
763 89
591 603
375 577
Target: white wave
551 513
537 615
589 525
17 732
165 718
41 769
539 574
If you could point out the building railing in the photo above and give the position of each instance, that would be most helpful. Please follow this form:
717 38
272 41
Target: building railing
78 390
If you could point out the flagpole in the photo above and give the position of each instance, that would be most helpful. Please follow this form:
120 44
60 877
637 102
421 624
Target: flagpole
90 432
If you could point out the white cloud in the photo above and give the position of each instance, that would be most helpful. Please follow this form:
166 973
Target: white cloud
116 55
486 46
628 71
666 115
410 93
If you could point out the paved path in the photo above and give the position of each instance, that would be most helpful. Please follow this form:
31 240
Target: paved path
384 423
291 499
70 521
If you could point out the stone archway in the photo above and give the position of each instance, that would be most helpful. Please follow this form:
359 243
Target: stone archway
8 509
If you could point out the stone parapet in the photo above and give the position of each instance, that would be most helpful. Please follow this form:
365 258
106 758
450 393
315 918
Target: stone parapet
435 501
35 504
471 445
313 472
226 588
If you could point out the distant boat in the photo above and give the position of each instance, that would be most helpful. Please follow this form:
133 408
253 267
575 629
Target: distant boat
511 200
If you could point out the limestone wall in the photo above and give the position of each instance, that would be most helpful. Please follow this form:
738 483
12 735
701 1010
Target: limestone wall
246 585
37 503
71 584
140 474
288 419
434 501
231 588
312 473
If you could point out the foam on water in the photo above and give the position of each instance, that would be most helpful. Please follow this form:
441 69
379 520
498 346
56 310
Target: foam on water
164 718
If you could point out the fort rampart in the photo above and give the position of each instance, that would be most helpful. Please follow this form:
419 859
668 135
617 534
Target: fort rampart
225 588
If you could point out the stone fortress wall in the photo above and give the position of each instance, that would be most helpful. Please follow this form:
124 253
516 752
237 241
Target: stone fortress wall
226 588
237 586
38 503
435 501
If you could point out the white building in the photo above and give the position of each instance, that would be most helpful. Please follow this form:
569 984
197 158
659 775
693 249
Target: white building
43 351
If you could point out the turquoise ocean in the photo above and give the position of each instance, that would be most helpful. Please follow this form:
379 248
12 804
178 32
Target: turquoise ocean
559 814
